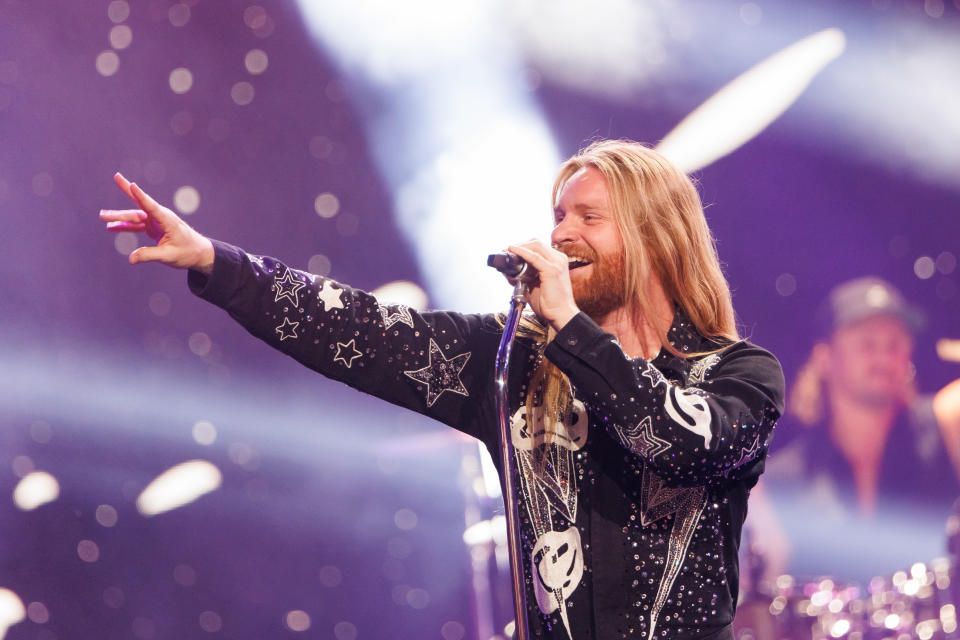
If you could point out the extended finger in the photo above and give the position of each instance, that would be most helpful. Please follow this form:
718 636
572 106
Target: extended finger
124 185
122 215
161 214
121 225
147 254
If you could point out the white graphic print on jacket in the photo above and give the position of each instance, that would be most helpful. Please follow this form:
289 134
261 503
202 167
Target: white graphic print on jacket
556 562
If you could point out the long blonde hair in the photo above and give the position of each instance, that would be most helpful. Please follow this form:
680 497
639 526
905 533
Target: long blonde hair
665 234
660 218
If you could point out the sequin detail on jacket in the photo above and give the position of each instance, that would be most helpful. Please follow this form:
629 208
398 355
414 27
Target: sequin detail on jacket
634 530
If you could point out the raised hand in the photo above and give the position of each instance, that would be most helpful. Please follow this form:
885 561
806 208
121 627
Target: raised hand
178 244
551 298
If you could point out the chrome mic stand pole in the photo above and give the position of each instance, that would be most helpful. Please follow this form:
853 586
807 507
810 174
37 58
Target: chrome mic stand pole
509 461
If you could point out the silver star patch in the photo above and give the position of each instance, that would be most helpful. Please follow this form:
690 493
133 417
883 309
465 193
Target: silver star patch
288 287
347 353
330 296
401 315
640 439
653 374
287 329
441 374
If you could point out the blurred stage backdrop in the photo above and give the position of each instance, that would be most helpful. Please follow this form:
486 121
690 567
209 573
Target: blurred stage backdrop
378 142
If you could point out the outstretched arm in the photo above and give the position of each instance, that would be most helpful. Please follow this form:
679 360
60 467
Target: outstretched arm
178 244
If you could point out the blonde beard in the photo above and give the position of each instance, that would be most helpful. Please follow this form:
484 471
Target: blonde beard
602 292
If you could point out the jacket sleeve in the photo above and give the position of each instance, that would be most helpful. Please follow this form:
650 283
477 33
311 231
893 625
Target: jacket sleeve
718 428
434 363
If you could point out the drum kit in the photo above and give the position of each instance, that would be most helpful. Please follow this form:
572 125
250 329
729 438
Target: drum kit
917 603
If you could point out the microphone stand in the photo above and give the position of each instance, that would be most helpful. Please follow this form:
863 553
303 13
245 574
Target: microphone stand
509 461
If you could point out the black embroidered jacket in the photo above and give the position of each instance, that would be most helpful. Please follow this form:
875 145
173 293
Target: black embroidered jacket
633 527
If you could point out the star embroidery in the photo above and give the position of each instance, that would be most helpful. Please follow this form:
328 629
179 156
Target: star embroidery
653 374
345 356
330 296
699 369
441 374
640 439
287 329
288 287
402 315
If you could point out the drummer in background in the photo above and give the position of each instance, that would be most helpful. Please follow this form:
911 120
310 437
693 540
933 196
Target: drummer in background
859 444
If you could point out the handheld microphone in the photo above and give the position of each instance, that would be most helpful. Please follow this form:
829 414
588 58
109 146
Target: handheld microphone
511 265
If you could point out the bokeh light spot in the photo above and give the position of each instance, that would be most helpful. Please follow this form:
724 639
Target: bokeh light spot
88 551
946 262
399 593
418 598
181 80
125 242
179 485
199 343
399 548
297 620
330 576
345 631
143 628
35 489
254 16
319 264
186 199
38 613
204 432
946 289
22 466
107 64
11 609
924 267
326 205
243 455
786 284
106 515
321 147
121 36
401 292
184 575
181 123
256 61
242 93
452 630
160 303
113 597
405 519
210 621
179 14
118 11
751 13
41 432
42 184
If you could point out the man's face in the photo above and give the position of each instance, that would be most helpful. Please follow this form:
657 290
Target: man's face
587 232
870 361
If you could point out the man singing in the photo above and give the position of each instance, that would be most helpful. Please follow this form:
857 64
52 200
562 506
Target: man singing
640 419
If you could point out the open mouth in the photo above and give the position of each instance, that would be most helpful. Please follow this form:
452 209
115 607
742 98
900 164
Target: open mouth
575 262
